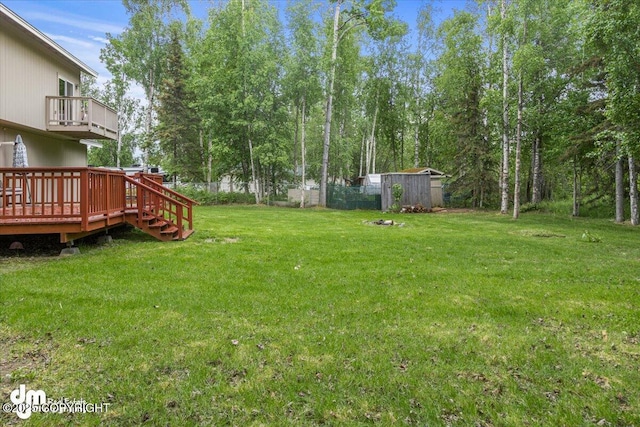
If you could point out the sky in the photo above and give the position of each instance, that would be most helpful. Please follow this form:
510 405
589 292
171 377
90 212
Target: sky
80 26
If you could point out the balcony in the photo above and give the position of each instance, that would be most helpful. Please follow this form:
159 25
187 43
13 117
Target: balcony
81 118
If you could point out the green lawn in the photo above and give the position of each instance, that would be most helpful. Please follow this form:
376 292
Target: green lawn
271 316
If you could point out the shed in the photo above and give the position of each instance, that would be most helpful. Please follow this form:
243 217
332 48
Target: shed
416 189
437 178
420 186
372 179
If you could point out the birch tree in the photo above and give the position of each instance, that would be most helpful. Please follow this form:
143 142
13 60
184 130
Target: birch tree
239 91
302 79
370 14
117 153
506 148
614 30
142 47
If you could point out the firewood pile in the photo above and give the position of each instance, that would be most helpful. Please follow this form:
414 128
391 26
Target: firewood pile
414 209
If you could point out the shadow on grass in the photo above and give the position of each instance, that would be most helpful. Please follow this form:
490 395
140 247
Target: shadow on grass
48 245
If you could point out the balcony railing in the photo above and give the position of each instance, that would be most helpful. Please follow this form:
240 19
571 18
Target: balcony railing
81 117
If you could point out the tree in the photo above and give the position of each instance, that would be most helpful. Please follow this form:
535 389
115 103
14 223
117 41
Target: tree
460 85
178 124
239 92
140 50
371 15
120 152
613 29
302 78
506 148
421 99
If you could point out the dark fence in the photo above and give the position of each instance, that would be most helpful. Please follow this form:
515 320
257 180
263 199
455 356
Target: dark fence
349 198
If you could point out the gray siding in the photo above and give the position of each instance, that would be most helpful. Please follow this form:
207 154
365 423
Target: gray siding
42 150
27 75
416 189
29 71
437 198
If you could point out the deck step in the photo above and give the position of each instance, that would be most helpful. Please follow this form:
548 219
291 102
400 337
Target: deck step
158 224
185 235
169 230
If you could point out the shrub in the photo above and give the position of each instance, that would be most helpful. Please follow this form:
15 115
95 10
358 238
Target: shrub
205 197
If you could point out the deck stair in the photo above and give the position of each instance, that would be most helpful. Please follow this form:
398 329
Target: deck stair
77 202
158 210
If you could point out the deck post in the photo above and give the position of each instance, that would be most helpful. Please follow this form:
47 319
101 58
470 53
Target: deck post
84 199
107 195
140 204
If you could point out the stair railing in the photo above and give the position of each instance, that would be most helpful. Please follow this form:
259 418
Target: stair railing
157 203
169 193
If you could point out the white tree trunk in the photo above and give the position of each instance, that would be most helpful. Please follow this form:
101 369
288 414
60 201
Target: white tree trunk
303 150
327 124
367 155
362 148
373 155
536 193
619 183
371 165
633 190
516 186
504 177
254 178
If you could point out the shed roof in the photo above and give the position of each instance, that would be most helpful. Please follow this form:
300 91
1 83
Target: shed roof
423 170
8 17
373 179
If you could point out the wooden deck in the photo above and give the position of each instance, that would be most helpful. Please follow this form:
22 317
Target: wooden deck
75 202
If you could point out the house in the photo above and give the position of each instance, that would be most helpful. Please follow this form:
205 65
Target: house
420 186
40 100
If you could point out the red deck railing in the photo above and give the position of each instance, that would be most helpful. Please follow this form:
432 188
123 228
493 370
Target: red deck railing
86 196
147 194
68 194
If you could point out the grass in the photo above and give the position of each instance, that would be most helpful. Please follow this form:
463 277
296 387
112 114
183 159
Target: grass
272 316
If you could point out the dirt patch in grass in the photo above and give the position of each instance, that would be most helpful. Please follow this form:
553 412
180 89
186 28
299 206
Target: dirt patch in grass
451 210
20 359
539 233
222 240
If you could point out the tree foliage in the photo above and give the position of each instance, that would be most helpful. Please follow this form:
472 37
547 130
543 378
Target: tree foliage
539 93
178 122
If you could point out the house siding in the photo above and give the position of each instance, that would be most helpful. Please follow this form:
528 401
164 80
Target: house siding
42 150
27 76
29 71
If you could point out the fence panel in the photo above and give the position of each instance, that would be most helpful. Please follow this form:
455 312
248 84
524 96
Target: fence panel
350 198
